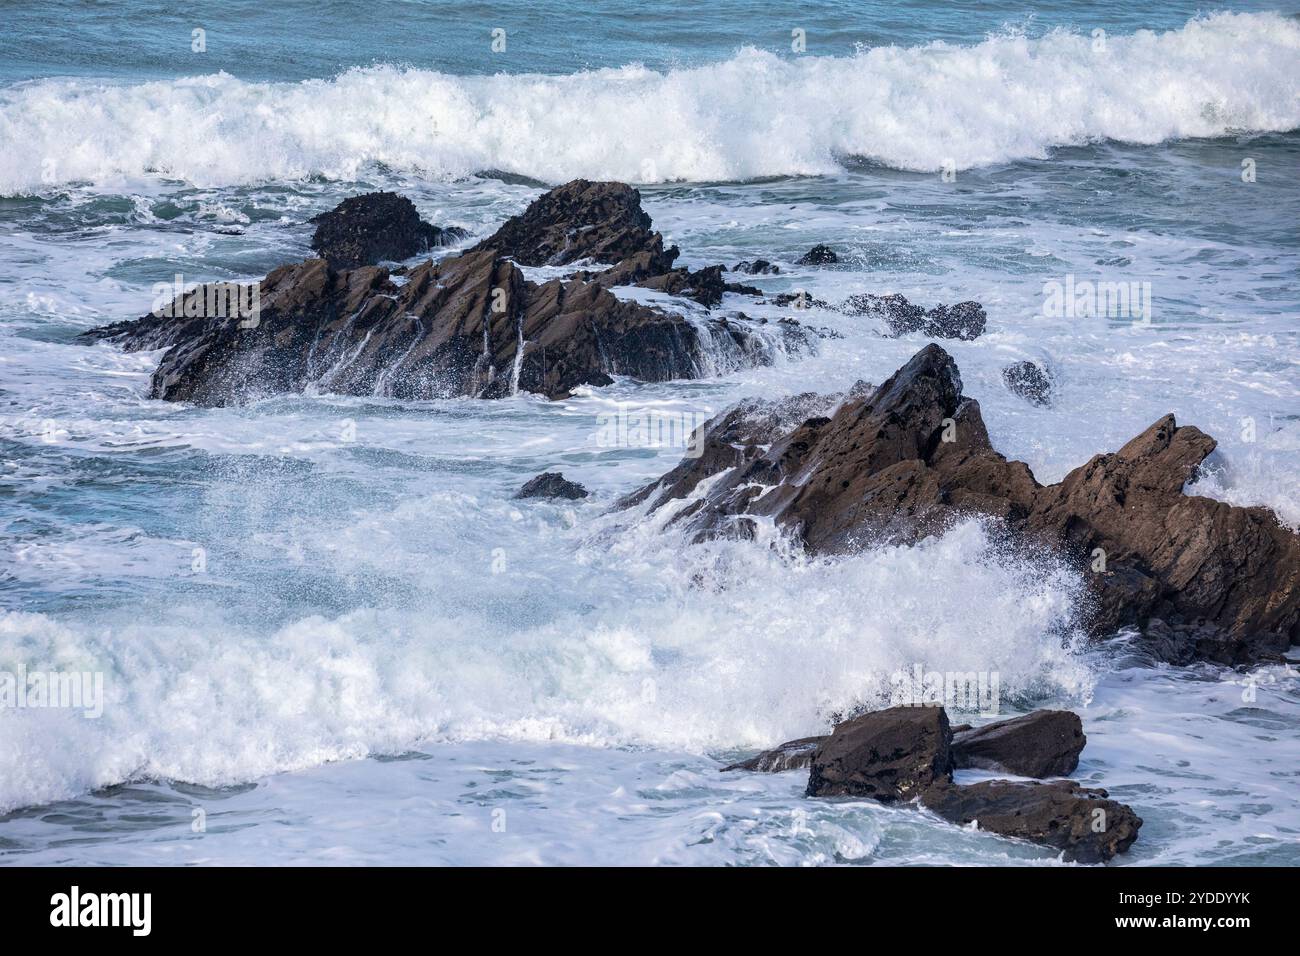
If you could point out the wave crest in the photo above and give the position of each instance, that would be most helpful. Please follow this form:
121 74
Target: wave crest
756 114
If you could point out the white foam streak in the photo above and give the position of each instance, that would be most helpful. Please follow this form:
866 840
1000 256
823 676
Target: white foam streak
756 114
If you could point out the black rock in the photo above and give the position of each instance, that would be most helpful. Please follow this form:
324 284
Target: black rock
965 320
376 227
819 256
551 484
1045 743
1028 380
757 267
598 221
791 755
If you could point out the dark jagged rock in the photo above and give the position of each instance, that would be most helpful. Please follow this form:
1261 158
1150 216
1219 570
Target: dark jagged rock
599 221
376 227
551 484
705 286
908 753
1044 743
799 300
889 755
452 328
819 256
965 320
1028 380
757 267
901 463
901 316
791 755
1082 823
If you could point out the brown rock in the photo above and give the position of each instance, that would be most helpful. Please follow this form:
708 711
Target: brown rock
1082 823
470 325
903 461
1044 743
889 755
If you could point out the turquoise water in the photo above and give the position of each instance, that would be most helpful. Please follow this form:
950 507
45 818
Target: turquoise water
380 596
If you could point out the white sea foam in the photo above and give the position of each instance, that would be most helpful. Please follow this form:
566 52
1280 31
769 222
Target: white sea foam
755 114
726 647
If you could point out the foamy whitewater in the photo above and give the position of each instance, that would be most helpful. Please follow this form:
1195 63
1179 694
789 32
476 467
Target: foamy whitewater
327 633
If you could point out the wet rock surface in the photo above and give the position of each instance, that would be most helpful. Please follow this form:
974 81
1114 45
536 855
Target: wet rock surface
819 255
888 755
1044 743
1082 823
756 267
552 484
596 221
965 320
376 227
1028 380
909 754
469 325
903 462
791 755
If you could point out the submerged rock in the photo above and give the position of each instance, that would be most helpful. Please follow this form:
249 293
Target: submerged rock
551 484
1028 380
1044 743
376 227
819 255
757 267
1082 823
791 755
888 755
901 463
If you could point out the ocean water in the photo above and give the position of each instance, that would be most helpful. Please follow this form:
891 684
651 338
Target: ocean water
327 633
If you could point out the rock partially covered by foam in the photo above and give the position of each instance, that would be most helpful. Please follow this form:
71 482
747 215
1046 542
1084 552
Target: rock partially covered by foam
551 484
965 320
1044 743
903 462
1029 380
1082 823
470 325
908 753
376 227
888 755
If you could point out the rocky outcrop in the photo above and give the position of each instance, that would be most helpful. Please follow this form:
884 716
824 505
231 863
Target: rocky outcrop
470 325
1044 743
888 755
900 462
1082 823
596 221
376 227
906 754
1028 380
551 484
791 755
819 255
965 320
